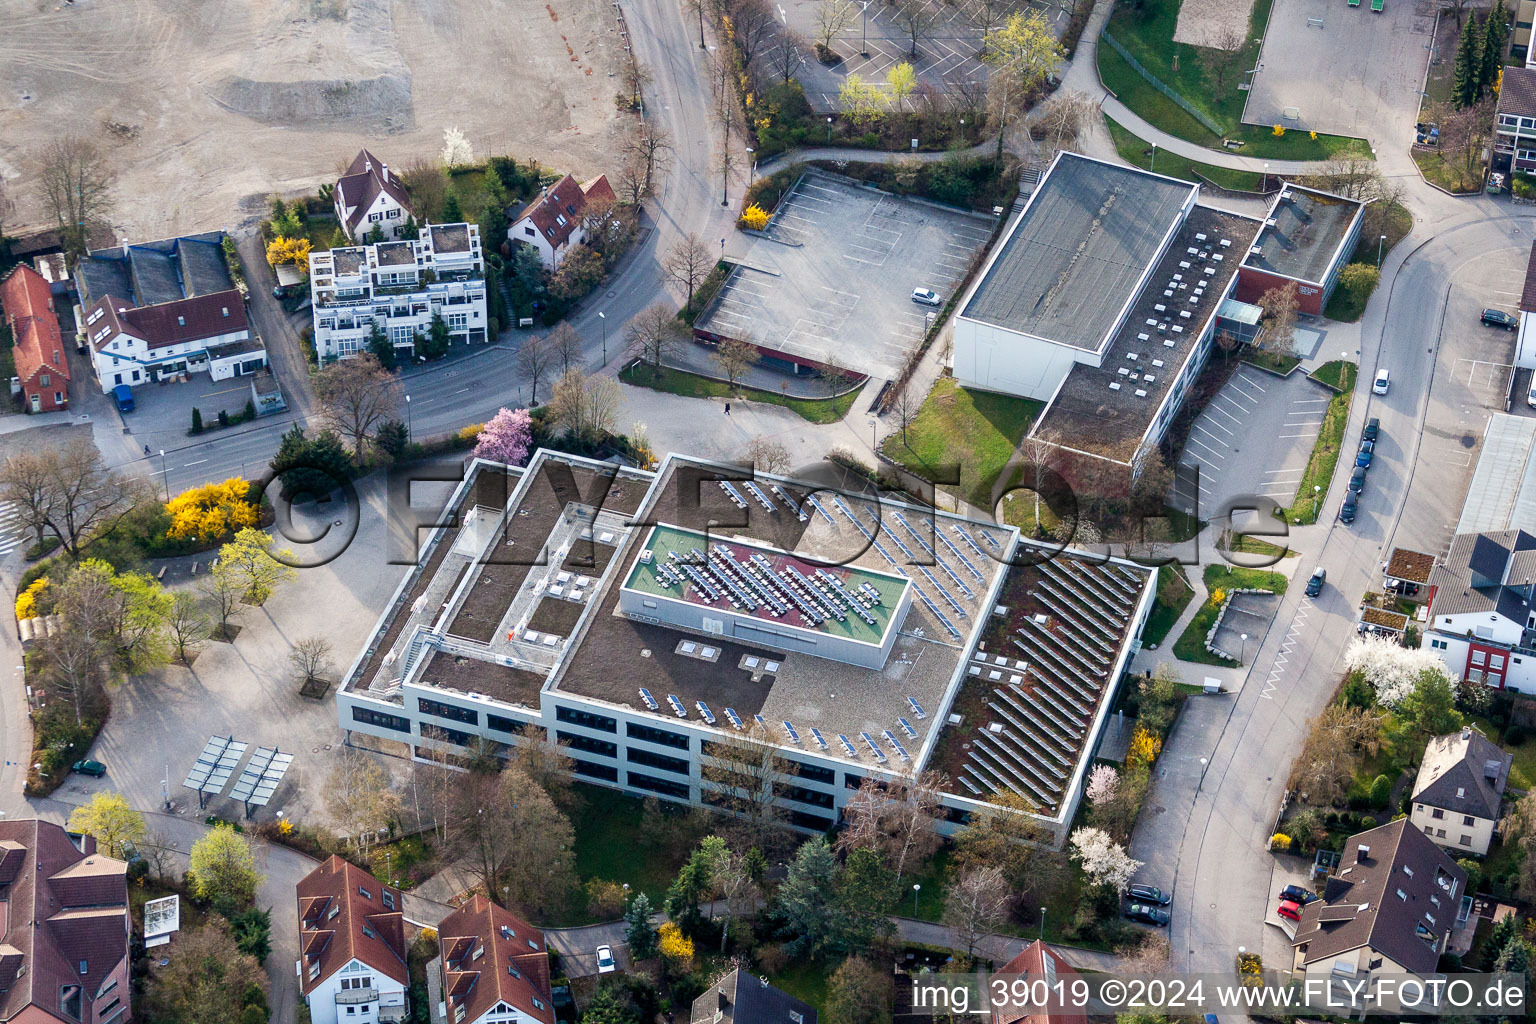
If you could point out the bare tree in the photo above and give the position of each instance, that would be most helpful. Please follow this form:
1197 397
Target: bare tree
356 395
637 75
906 407
311 657
1280 306
753 26
698 7
564 346
651 145
1042 457
786 53
630 183
895 819
741 769
188 625
688 262
832 16
74 184
427 183
988 14
1061 120
654 334
69 492
1226 53
915 17
735 357
224 585
588 407
513 837
976 903
533 362
547 764
835 379
361 798
768 456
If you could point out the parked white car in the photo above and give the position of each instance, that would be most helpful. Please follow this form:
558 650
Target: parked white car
605 963
1383 382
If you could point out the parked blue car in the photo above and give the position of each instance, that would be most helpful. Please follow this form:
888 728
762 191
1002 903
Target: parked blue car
1367 452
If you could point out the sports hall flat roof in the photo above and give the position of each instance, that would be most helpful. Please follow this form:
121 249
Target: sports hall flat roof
1072 260
1303 233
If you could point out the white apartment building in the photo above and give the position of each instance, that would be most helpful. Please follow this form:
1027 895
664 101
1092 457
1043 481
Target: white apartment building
400 286
352 949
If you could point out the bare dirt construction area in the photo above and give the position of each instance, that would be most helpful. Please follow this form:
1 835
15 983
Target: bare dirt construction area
1216 23
207 108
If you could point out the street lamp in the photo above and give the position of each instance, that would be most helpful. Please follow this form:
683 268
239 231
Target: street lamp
1379 243
165 475
916 888
1243 659
752 176
864 32
962 131
1042 924
603 319
1153 165
872 433
829 131
408 434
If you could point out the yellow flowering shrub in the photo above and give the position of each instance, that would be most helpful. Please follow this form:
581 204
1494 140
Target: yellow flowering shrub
26 601
1144 748
674 945
754 217
1279 131
211 511
1280 841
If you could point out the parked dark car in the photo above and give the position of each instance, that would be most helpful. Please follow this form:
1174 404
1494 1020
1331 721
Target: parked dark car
1365 454
1297 894
1349 508
1148 894
1357 479
1372 430
1147 914
95 769
1499 318
1315 581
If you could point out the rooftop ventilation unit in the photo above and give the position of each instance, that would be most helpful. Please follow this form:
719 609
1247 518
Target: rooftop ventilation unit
1114 385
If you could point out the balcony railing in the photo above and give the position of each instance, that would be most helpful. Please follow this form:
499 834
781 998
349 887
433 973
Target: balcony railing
353 996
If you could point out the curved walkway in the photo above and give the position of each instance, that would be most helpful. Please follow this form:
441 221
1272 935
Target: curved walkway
854 154
1083 76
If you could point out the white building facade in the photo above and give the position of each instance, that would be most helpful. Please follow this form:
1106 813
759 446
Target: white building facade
207 334
356 994
399 286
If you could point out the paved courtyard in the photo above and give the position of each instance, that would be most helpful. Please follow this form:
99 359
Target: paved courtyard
832 280
1341 70
1274 420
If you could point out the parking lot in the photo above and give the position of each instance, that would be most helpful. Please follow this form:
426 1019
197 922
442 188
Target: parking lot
162 413
1274 420
947 61
1328 67
832 280
1472 378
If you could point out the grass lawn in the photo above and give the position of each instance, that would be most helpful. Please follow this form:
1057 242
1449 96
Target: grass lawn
1449 176
933 876
1148 35
974 430
1274 362
1173 596
1135 151
1325 457
691 385
1245 545
606 828
1338 375
1190 645
1347 306
806 980
1522 770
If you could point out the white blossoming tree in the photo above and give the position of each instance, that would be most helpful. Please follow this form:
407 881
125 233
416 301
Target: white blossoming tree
1103 781
456 149
1390 668
1103 860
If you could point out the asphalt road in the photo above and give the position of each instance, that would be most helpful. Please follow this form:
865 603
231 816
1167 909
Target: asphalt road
1208 825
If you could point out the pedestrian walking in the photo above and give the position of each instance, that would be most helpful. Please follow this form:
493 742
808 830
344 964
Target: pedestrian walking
727 408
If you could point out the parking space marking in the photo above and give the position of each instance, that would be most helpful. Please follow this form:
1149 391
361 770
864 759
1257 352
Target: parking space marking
1208 434
1214 453
1250 382
1223 398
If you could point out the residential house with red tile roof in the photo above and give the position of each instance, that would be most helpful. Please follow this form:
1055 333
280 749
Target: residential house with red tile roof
157 311
1035 962
560 217
351 946
493 965
64 927
369 196
27 302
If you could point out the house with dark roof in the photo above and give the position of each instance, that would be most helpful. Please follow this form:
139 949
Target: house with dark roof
1388 909
560 217
1460 790
744 998
26 301
369 196
64 928
159 311
1036 963
491 966
1514 140
352 948
1482 619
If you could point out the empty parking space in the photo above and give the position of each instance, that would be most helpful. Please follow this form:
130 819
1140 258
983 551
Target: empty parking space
831 279
1252 439
1329 67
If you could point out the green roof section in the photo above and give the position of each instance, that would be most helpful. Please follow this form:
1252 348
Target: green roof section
664 540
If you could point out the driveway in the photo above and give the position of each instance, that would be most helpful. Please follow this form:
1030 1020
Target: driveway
1253 439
